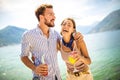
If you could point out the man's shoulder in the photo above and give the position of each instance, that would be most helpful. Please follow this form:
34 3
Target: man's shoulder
56 34
54 31
29 32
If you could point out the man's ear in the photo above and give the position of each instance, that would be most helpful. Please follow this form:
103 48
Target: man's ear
40 17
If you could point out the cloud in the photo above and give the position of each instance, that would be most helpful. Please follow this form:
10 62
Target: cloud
21 12
16 12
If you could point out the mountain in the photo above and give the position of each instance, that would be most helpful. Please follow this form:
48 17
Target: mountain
86 29
10 35
83 29
109 23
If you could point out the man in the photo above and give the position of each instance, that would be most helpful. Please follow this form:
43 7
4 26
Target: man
41 43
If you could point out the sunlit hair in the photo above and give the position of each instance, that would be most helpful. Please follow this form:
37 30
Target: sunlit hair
74 25
41 9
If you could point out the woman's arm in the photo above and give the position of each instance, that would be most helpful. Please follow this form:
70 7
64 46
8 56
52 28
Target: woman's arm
58 45
84 57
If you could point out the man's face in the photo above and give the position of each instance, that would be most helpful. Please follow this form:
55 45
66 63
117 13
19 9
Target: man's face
49 17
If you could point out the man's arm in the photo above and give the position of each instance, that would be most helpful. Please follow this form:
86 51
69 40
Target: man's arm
28 63
42 69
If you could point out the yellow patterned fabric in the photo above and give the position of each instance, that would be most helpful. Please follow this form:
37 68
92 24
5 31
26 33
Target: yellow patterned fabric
82 76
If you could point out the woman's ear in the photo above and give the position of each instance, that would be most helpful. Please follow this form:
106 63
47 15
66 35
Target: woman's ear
74 30
61 32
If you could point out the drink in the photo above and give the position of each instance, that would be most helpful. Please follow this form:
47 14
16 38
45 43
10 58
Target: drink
71 57
46 72
43 62
72 60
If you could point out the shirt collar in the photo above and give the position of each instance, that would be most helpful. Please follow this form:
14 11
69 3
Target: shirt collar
41 33
39 30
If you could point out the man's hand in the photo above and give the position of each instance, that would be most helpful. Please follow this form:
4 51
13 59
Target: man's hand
77 36
42 69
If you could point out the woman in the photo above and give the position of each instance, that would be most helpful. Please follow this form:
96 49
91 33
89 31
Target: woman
79 56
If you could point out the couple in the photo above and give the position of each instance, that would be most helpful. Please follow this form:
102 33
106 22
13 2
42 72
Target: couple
43 43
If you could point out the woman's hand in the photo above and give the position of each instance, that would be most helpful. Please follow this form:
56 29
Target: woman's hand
79 65
70 66
74 58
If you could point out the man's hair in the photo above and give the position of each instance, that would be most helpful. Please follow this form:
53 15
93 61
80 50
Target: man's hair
41 9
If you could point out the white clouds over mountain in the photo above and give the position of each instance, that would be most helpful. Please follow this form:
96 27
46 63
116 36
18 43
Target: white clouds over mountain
85 12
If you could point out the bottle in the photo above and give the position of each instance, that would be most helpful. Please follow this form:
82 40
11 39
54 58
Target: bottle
43 62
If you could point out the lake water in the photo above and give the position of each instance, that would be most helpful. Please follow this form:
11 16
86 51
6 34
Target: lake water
103 48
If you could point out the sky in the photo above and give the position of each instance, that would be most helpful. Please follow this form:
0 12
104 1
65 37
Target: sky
20 13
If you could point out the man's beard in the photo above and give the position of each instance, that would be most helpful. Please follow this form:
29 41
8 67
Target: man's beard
48 23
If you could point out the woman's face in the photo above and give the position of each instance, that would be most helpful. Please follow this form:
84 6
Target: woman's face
67 28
